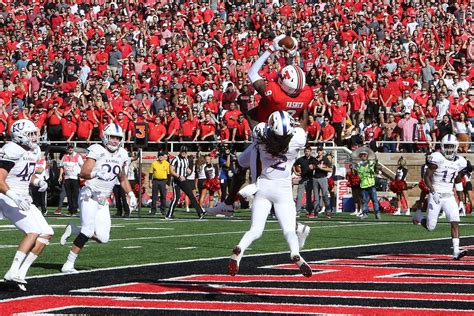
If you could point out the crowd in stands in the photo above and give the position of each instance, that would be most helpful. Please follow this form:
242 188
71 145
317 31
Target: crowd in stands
389 70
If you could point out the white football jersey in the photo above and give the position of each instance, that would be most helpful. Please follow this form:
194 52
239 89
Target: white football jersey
112 163
447 171
19 177
280 167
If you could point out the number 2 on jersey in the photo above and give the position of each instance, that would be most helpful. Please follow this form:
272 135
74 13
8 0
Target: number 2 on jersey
280 163
27 172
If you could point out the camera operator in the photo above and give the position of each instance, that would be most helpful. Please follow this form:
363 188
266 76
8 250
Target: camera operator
226 164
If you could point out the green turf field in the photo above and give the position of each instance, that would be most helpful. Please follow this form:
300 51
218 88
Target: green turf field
136 241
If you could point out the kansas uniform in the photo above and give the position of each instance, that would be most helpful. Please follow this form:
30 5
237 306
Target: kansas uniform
18 179
443 174
274 188
443 184
93 198
19 158
105 166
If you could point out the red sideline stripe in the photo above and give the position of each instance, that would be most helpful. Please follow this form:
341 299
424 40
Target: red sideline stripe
423 257
332 276
55 302
142 288
396 261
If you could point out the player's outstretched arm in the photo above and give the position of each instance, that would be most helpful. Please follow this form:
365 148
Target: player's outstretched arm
257 81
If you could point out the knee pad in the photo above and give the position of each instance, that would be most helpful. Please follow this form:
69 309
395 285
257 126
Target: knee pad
80 240
42 239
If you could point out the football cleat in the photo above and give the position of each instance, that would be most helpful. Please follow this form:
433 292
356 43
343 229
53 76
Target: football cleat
67 233
68 268
234 261
443 215
305 269
416 220
407 212
364 216
355 213
460 254
398 212
203 214
302 232
223 209
378 216
16 281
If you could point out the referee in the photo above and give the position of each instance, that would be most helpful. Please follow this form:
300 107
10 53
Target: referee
179 169
158 176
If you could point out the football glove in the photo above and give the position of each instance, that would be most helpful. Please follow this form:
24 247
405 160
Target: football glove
23 202
132 201
40 184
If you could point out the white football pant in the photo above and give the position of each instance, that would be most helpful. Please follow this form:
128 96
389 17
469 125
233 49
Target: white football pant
447 204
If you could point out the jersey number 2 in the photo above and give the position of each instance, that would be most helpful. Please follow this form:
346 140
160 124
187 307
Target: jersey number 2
27 172
280 163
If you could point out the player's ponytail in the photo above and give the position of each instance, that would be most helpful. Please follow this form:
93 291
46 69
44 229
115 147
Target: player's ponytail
276 145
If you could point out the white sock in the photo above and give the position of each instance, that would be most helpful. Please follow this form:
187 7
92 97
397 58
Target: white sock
17 261
26 265
72 257
456 245
399 209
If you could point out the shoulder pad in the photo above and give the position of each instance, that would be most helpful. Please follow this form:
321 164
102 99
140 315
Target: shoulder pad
300 136
436 158
95 151
11 151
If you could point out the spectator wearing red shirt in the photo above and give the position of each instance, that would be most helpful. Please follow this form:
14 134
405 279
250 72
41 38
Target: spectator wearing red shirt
68 127
328 133
357 102
173 127
156 130
242 132
14 116
231 116
54 121
206 131
84 128
338 115
188 128
313 129
224 133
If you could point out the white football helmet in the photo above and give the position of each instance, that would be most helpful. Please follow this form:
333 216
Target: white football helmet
112 130
449 146
291 79
259 131
281 123
25 133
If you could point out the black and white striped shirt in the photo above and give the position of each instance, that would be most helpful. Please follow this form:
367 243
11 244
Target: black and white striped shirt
180 165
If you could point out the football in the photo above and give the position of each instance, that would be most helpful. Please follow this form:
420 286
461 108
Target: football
298 169
288 42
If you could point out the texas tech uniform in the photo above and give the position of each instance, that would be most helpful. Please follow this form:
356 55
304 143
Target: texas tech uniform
18 180
443 183
95 216
277 100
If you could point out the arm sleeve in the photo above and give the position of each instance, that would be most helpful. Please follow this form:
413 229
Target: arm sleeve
257 65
